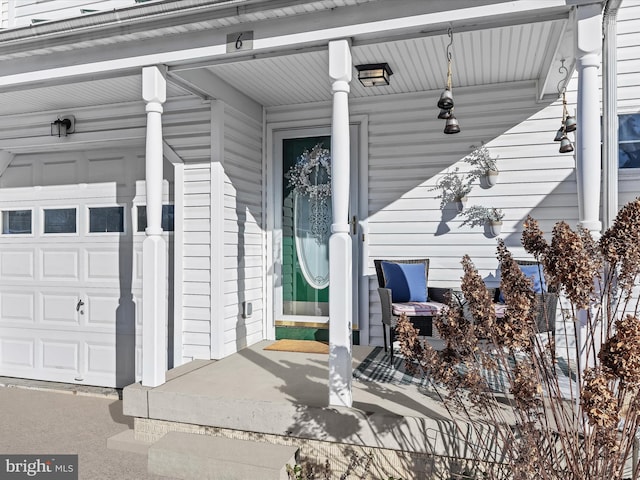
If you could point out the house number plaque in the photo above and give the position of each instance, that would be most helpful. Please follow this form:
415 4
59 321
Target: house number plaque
239 41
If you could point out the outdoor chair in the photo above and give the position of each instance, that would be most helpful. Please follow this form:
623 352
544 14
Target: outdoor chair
545 301
403 289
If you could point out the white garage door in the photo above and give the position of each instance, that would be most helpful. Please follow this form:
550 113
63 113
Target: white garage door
70 255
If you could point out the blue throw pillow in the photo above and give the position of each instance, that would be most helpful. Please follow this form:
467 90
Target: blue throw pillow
533 273
407 281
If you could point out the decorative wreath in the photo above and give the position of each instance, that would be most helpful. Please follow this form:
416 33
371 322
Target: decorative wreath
307 167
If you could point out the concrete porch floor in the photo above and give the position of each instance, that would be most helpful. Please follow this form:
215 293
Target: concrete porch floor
286 394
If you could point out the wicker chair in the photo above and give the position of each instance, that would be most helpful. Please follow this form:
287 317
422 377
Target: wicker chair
423 323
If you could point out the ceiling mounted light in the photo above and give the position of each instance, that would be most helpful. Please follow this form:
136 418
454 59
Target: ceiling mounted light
445 102
63 126
374 74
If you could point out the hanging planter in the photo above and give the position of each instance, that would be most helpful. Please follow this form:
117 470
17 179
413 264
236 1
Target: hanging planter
461 203
494 227
488 217
454 187
489 179
485 166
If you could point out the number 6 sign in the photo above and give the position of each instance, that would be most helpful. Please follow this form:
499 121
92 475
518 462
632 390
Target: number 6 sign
239 41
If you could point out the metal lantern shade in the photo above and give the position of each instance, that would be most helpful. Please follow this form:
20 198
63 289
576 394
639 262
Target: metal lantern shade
61 127
374 74
452 125
559 134
565 145
444 114
570 124
446 100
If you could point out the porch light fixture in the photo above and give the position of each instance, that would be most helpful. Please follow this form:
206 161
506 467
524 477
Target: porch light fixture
61 127
374 74
445 102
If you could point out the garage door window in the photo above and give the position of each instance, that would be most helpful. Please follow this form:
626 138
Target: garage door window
167 218
16 222
60 220
106 219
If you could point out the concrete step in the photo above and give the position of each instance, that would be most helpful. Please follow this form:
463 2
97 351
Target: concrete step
125 441
190 456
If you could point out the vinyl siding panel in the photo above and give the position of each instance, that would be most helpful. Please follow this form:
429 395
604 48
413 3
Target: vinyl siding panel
26 11
193 116
243 236
4 13
628 78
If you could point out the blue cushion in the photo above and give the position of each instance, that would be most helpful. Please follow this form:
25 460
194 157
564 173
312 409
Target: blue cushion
532 272
407 281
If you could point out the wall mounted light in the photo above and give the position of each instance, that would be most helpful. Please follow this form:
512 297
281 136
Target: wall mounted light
374 74
63 126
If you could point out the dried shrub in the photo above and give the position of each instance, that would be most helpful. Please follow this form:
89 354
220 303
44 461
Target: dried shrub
532 426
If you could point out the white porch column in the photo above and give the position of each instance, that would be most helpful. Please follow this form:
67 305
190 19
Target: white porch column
588 151
340 261
154 269
588 157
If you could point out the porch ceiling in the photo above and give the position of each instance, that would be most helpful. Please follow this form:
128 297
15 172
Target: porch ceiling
480 57
500 48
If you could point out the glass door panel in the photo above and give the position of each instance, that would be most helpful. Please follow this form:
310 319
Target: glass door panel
306 227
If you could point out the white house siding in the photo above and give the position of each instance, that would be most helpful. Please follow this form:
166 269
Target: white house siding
187 129
244 237
408 151
628 77
4 13
26 12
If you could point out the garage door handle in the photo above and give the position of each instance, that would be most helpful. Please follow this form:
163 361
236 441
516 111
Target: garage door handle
80 304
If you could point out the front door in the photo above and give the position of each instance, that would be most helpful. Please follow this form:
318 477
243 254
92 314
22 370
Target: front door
302 226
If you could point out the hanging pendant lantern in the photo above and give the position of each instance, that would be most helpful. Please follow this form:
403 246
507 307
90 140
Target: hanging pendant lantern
559 134
446 99
444 114
570 124
445 102
452 125
565 145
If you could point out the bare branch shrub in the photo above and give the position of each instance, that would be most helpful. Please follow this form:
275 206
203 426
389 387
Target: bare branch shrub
576 424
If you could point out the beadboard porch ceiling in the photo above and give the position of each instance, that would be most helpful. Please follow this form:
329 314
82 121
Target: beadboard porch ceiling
509 50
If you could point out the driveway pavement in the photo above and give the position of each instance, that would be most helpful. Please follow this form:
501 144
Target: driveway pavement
46 422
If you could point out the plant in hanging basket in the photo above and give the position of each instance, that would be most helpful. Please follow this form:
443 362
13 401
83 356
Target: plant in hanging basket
477 215
454 188
484 165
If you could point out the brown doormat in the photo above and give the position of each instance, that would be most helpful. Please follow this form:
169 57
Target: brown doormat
303 346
